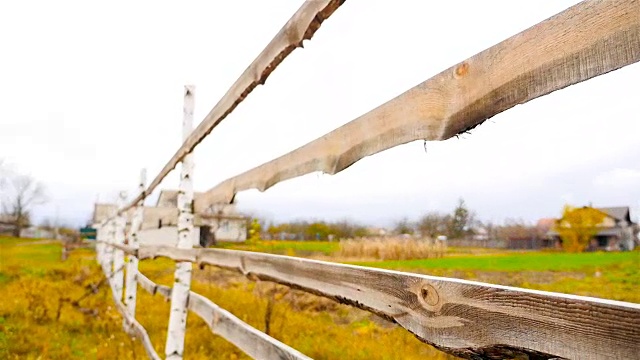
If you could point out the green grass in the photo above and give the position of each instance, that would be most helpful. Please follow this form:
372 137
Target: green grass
534 261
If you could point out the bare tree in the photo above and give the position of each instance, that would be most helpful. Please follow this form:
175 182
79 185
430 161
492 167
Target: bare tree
20 193
434 224
404 227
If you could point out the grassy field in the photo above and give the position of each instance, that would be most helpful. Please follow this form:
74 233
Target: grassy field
38 318
509 262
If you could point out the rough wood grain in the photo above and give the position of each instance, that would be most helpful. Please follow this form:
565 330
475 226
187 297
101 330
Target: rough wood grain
221 322
584 41
468 319
301 26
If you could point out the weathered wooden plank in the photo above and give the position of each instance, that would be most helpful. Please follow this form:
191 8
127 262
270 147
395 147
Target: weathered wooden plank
178 314
136 328
465 318
221 322
301 26
127 249
152 287
584 41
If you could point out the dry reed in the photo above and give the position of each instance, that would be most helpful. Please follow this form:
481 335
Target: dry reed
391 248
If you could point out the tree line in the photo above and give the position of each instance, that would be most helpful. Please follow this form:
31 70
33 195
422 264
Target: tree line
462 222
314 230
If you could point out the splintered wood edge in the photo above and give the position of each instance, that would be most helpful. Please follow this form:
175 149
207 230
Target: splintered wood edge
465 318
253 342
586 40
301 26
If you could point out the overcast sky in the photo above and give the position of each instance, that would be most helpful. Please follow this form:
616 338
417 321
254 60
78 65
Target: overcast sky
91 92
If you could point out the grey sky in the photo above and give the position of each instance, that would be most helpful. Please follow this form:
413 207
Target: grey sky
89 94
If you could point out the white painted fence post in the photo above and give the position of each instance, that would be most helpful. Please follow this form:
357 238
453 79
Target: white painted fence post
180 294
131 287
120 223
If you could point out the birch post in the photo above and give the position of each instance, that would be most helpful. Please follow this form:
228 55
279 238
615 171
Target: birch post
120 223
109 250
100 246
131 286
180 295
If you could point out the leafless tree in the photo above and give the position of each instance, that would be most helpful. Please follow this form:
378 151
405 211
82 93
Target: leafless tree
404 227
434 224
20 193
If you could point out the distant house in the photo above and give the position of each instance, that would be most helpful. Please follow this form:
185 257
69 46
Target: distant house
34 232
480 233
616 232
543 227
220 222
377 231
7 224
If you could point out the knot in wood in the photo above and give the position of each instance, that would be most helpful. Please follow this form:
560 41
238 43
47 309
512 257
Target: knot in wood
462 70
429 294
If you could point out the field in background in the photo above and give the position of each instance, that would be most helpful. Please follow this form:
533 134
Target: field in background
354 251
291 248
390 248
611 275
38 319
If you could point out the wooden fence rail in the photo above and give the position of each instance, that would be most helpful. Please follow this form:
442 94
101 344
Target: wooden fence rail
584 41
465 318
469 319
221 322
302 26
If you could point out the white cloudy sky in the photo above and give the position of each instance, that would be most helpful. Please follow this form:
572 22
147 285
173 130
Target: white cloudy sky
92 92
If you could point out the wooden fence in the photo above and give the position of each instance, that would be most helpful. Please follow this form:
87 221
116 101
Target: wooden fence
468 319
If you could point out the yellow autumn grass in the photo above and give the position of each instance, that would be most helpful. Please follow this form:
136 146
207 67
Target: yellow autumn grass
39 321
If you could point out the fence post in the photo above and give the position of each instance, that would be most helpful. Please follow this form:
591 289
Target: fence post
118 255
104 234
108 250
180 294
100 246
131 286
